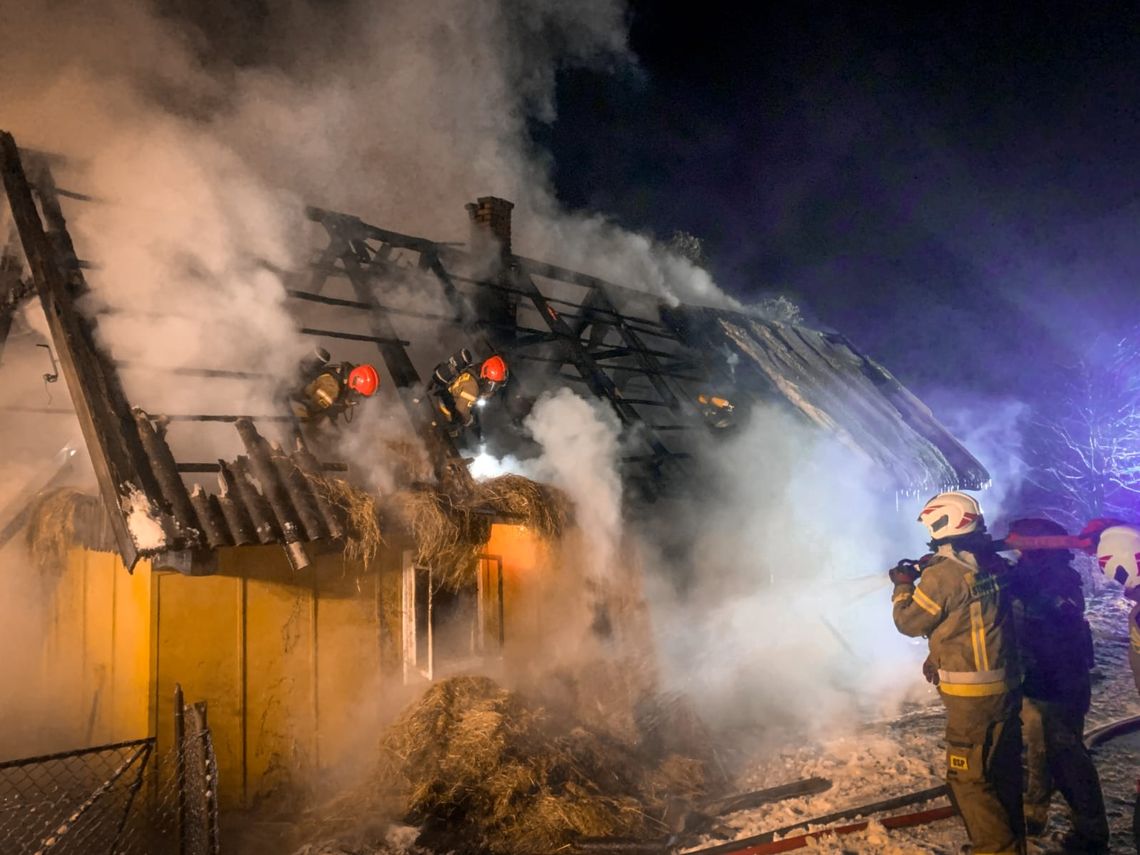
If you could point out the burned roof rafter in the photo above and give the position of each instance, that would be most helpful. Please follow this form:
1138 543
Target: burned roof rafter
651 386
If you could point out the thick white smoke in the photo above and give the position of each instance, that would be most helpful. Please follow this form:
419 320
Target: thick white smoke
579 442
402 112
785 614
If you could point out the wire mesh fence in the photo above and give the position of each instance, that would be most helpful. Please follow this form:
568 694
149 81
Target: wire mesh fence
120 799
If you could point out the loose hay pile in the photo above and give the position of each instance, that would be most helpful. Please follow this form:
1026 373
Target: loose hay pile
497 774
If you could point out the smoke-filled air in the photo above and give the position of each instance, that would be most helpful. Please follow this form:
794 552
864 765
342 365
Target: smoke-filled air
627 551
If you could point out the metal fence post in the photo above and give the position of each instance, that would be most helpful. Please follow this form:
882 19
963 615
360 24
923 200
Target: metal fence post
213 841
180 763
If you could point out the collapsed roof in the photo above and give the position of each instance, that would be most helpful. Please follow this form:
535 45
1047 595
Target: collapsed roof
647 359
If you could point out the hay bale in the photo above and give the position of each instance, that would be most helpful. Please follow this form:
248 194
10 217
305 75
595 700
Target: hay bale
361 514
60 519
539 506
482 766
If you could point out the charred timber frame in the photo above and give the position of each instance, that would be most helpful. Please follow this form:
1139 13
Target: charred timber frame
102 410
347 235
347 245
133 462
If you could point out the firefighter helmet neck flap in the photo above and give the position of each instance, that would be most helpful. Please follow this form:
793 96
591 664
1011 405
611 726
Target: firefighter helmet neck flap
951 515
1118 553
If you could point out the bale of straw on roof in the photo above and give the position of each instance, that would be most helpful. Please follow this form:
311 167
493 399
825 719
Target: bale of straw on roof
447 535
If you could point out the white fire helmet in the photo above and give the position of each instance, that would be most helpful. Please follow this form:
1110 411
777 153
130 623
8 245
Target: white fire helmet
1118 553
950 515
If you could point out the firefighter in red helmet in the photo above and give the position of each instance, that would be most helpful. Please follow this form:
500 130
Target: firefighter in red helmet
331 389
459 388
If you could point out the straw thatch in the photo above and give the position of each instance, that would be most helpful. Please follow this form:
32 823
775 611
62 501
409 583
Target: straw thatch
539 506
447 535
361 513
501 775
60 519
450 531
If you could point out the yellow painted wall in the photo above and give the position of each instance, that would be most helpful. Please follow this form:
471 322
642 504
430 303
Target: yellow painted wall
292 666
285 661
95 657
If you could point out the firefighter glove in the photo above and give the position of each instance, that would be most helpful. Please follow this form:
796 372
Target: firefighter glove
905 572
930 671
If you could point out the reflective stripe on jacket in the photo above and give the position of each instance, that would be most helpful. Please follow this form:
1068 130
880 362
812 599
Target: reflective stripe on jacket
964 610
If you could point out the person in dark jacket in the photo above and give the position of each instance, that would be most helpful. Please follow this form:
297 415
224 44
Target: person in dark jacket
458 388
1055 643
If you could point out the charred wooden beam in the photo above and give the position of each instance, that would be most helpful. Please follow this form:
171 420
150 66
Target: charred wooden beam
274 491
357 304
240 489
184 371
162 463
346 336
104 417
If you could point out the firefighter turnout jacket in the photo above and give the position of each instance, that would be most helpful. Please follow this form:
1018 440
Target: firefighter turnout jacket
462 394
960 606
324 394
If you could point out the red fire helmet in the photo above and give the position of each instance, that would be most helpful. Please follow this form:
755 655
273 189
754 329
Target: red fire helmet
364 379
494 369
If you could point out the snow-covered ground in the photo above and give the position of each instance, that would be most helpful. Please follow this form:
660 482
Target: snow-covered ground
887 759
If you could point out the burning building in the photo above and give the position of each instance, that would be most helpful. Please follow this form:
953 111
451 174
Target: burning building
288 574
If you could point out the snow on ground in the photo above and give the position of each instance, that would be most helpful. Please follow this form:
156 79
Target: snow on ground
887 759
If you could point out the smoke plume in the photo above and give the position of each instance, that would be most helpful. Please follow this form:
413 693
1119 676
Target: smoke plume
202 131
784 617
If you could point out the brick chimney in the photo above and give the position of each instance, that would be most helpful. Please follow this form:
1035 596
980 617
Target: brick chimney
491 220
491 229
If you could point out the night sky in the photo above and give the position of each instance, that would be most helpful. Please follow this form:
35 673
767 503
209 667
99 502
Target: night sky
958 192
